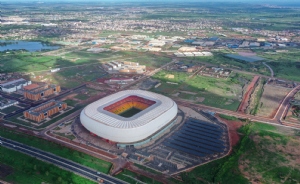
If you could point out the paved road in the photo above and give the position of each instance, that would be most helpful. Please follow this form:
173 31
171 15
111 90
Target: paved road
61 162
282 110
233 113
271 70
147 75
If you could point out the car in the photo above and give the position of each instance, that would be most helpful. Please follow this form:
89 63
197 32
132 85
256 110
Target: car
98 172
14 146
1 142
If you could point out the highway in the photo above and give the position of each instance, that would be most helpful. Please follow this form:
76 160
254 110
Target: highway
61 162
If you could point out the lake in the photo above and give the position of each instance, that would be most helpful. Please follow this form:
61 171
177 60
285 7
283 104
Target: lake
31 46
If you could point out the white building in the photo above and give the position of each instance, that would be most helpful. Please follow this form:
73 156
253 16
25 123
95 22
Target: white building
8 104
112 126
14 85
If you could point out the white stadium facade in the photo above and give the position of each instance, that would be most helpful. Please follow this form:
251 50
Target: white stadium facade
129 116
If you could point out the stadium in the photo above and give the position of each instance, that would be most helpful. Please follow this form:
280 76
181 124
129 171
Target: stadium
129 116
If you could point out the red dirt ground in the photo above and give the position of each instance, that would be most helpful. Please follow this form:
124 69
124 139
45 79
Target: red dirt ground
246 97
233 126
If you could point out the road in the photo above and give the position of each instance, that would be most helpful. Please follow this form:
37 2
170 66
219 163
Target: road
148 75
265 120
271 70
61 162
282 110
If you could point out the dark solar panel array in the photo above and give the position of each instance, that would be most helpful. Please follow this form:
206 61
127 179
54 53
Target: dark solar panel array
197 138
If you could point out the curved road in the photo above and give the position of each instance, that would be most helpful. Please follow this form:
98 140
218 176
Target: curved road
271 70
61 162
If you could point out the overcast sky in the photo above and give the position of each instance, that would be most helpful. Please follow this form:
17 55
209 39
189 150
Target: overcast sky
148 1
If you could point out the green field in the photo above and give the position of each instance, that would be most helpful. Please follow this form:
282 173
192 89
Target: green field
285 65
222 93
26 62
10 109
57 149
132 177
26 169
265 153
54 119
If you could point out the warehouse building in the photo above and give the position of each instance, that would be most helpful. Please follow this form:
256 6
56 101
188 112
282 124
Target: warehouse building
14 85
7 103
41 112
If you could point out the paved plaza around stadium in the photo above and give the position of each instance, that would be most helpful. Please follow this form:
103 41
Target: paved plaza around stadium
162 153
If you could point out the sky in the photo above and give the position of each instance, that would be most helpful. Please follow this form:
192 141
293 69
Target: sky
247 1
275 2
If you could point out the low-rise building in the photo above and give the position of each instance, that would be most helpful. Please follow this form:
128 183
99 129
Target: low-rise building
14 85
7 103
44 110
41 92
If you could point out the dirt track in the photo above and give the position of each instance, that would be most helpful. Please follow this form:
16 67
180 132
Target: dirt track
246 97
233 127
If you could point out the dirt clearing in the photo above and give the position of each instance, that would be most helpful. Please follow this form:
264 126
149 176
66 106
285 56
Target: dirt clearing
271 99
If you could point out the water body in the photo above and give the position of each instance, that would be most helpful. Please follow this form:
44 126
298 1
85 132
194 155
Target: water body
31 46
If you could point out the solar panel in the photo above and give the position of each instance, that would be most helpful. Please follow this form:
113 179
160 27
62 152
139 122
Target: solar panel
204 129
203 141
187 144
201 147
184 149
209 134
189 147
202 122
205 126
202 137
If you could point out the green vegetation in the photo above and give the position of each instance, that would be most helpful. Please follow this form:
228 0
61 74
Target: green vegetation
81 96
147 169
26 62
71 136
222 93
15 119
258 153
26 169
286 70
258 96
9 109
231 118
132 177
70 102
57 149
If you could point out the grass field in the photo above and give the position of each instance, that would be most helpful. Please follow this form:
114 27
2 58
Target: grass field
72 77
265 154
57 149
26 169
222 93
270 100
9 109
54 119
26 62
132 177
255 97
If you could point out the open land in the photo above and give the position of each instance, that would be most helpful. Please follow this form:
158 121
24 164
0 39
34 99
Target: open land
24 169
271 98
223 93
263 155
